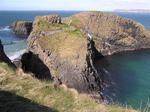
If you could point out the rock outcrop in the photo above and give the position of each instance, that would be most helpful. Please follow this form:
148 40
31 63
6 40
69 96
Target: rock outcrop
4 58
52 19
21 27
71 47
112 33
68 54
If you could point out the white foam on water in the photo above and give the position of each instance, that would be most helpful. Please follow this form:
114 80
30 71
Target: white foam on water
6 28
17 54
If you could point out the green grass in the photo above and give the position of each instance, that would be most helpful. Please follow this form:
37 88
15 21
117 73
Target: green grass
22 93
43 25
66 43
75 21
4 67
62 35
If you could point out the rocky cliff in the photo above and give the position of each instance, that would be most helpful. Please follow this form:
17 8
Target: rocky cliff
111 33
67 53
71 47
21 27
4 58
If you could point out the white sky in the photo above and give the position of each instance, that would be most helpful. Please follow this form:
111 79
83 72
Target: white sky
73 4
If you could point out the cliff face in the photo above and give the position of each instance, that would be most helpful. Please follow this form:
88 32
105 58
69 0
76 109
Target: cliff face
22 27
71 47
112 33
67 53
3 57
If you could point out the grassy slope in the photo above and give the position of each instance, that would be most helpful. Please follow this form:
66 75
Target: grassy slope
19 92
66 43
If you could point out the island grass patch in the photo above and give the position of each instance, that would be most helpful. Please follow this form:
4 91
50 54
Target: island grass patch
43 25
65 43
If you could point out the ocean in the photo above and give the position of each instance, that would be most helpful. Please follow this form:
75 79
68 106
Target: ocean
130 71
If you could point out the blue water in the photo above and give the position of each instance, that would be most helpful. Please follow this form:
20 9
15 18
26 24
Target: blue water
130 71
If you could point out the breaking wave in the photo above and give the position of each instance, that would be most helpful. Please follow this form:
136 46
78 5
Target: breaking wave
17 54
6 28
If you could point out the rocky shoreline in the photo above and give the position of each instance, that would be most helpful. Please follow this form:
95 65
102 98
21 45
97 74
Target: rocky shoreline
69 50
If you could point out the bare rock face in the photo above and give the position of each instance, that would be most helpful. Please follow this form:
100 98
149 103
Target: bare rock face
22 27
112 33
52 19
4 58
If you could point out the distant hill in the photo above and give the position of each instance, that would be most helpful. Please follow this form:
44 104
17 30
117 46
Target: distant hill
133 10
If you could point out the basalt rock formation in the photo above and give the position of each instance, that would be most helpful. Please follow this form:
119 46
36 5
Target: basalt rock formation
111 33
68 54
4 58
71 47
21 27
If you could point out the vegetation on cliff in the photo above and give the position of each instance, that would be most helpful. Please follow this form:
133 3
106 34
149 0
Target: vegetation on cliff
19 92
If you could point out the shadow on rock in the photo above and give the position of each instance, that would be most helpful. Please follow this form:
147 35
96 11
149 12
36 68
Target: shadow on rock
4 58
99 59
10 102
32 63
100 62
